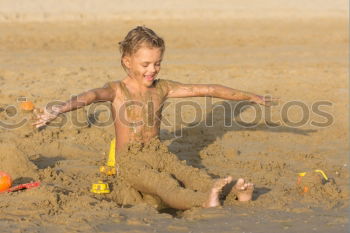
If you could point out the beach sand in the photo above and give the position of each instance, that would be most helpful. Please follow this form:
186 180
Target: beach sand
301 59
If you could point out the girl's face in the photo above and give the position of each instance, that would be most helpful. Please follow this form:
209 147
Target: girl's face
144 65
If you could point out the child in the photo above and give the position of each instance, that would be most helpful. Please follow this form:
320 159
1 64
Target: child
137 102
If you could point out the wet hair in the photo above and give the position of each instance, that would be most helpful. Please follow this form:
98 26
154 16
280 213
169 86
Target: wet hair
137 38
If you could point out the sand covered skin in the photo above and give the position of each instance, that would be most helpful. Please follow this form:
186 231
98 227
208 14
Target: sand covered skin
295 59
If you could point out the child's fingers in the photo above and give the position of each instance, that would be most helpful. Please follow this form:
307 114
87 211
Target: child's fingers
42 117
270 101
270 98
38 110
38 123
275 99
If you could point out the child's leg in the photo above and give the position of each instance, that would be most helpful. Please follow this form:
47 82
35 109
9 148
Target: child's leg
148 180
191 177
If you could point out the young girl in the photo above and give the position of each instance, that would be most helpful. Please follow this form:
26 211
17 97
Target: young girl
137 102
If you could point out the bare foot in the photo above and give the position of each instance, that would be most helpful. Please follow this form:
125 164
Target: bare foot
213 200
243 190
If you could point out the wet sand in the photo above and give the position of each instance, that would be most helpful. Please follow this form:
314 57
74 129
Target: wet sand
294 59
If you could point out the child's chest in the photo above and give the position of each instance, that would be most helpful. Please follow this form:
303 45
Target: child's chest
144 106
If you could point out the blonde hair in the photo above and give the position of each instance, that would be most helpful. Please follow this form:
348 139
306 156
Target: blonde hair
138 37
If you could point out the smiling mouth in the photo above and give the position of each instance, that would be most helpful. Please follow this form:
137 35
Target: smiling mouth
149 77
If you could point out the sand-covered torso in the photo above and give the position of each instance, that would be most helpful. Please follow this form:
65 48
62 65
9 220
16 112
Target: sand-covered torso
136 115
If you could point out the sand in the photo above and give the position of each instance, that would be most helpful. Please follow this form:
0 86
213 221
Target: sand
302 59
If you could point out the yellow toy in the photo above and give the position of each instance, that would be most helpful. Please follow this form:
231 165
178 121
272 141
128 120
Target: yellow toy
100 188
320 171
110 169
305 189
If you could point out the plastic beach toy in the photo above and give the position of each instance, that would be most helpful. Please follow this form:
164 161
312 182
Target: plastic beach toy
306 189
100 188
318 170
110 169
22 187
27 105
5 181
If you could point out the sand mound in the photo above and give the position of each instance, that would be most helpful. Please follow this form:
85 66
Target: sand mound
123 193
313 188
15 163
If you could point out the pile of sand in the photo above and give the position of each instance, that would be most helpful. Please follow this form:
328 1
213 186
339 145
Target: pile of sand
16 164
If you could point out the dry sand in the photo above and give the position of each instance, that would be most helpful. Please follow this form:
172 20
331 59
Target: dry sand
294 58
52 10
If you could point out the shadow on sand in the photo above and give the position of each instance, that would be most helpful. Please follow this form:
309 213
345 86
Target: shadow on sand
222 118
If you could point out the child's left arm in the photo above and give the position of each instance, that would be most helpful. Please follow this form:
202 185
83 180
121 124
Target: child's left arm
177 90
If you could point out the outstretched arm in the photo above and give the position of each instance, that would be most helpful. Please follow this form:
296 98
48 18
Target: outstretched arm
105 93
176 90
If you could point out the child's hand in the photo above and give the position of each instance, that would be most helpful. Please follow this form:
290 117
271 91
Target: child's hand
44 116
264 100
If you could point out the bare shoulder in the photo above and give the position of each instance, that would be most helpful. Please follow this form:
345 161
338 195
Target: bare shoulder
114 85
164 86
113 88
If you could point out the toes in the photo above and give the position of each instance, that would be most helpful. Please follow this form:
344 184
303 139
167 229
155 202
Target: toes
229 179
240 181
240 184
250 186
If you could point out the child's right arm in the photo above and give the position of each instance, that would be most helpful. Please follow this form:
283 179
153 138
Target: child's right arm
105 93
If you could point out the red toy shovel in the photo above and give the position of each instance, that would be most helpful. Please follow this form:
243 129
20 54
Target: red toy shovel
22 186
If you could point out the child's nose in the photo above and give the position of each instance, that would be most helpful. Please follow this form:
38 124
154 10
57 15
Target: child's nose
152 68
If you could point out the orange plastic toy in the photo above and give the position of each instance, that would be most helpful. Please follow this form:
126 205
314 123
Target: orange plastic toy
5 181
27 105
